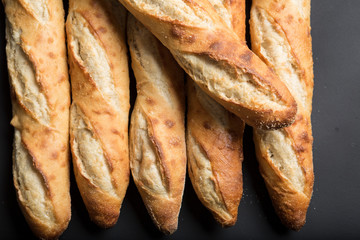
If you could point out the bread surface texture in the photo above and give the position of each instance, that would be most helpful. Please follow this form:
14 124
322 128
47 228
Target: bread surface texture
214 138
100 108
214 57
280 35
157 130
36 58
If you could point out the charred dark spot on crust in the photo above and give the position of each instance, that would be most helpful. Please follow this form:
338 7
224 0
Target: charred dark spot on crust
150 101
169 123
178 33
101 30
54 155
206 125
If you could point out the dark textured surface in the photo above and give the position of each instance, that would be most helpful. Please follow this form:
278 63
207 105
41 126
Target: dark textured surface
334 212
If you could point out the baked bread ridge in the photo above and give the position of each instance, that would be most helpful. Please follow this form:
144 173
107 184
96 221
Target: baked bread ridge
211 53
36 58
157 131
280 35
100 108
214 138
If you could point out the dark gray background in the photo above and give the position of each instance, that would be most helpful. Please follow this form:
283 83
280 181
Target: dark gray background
334 212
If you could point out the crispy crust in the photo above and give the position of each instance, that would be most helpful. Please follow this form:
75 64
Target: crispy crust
214 141
202 44
107 122
157 131
37 42
292 23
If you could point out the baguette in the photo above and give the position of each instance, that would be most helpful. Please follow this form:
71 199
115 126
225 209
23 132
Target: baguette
100 108
280 35
214 138
36 58
220 64
157 131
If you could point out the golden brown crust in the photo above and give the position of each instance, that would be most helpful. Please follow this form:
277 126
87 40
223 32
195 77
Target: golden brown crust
40 99
157 131
291 24
214 145
203 45
102 107
214 139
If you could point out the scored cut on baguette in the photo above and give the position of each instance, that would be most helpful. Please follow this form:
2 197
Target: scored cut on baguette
157 129
36 58
214 138
100 108
280 35
220 64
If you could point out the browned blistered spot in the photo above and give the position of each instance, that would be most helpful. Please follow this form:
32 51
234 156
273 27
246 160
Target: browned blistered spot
47 131
115 131
246 57
50 40
54 155
98 15
178 33
154 121
97 112
299 149
150 101
299 117
51 55
174 142
61 79
63 164
101 30
169 123
43 144
290 18
206 125
51 177
305 136
216 46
